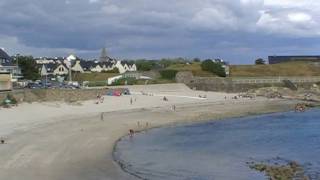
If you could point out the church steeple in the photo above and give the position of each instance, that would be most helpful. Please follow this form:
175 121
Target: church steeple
103 56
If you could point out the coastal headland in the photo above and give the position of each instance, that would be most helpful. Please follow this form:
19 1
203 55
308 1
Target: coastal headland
57 141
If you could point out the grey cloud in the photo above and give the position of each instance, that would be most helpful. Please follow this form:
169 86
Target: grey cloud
146 28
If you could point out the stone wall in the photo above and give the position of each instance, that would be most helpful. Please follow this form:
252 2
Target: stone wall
230 84
68 95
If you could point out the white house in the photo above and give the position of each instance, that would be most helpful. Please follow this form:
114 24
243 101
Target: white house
61 69
77 67
60 66
8 66
96 68
125 66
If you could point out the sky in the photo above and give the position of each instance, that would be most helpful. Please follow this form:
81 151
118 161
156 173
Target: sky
238 31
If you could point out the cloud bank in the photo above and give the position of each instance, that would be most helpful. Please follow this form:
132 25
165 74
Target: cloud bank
236 30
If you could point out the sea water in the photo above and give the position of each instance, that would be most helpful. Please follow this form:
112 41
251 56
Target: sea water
220 150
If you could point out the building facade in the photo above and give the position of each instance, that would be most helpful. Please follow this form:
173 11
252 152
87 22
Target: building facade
8 66
61 66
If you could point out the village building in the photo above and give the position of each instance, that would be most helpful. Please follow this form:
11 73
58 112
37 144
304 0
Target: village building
8 66
60 66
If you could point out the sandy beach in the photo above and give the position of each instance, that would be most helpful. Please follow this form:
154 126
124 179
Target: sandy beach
59 141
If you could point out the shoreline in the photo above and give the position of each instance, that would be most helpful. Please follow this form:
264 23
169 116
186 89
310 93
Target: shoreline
208 119
74 143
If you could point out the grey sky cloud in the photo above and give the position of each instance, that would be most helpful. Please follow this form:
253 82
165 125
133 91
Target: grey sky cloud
236 30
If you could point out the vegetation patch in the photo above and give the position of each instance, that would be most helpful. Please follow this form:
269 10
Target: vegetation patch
125 81
9 100
282 69
194 67
97 83
114 71
278 171
28 67
168 74
214 67
92 76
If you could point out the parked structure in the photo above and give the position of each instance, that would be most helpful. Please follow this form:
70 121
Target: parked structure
134 75
282 59
5 81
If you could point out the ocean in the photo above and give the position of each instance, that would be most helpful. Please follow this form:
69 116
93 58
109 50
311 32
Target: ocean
221 150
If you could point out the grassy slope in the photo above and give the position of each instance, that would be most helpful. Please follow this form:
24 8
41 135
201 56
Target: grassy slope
283 69
93 76
195 68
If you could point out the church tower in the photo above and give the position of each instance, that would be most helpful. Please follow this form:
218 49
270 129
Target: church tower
103 56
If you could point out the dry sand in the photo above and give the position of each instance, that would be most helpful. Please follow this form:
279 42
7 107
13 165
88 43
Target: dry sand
58 141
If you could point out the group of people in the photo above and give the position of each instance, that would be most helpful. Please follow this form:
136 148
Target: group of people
300 107
204 96
131 131
146 94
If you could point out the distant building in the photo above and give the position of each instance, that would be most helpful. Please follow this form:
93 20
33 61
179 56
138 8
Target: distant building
61 66
282 59
103 56
8 66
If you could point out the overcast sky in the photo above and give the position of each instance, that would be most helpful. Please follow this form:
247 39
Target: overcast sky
235 30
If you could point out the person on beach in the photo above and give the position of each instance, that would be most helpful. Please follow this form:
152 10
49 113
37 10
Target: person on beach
131 101
101 99
174 107
98 98
131 132
102 116
165 98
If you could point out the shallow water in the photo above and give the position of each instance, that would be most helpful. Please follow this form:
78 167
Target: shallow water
220 150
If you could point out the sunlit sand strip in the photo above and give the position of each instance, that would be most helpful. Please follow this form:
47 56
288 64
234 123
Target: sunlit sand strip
170 95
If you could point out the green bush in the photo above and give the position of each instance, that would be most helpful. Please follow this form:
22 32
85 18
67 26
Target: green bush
114 70
122 81
214 67
12 100
168 74
28 67
97 83
145 65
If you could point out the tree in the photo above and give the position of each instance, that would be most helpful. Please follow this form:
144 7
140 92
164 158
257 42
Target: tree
168 73
145 65
28 67
196 60
114 70
260 61
214 67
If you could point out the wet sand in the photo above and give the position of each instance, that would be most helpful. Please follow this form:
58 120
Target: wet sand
57 141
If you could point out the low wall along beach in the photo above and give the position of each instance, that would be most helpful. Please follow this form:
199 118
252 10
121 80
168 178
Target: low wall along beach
241 84
38 95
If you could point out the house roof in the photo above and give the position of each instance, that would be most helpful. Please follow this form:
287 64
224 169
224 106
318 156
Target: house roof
129 63
50 67
7 59
87 65
4 55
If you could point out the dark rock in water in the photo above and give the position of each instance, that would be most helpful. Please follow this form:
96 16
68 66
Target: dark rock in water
290 171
